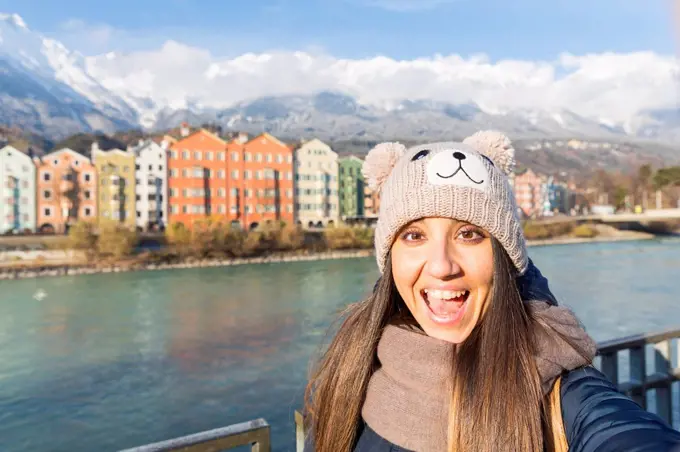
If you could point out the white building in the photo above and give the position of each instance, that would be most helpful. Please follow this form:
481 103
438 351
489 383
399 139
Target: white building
151 171
316 184
17 191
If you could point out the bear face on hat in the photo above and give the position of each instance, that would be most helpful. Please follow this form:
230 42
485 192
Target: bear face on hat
465 180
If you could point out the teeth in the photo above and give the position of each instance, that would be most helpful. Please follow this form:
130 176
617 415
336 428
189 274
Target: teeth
445 294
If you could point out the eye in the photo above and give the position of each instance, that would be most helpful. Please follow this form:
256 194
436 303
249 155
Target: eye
420 155
412 235
471 235
488 159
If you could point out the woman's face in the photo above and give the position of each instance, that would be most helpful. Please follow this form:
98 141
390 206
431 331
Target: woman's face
443 270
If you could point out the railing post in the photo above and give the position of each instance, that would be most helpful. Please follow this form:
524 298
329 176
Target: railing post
299 432
610 366
638 374
662 353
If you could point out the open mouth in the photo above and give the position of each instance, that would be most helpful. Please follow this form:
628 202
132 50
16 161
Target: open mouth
445 306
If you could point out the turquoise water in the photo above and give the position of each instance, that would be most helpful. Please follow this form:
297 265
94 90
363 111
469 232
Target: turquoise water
105 362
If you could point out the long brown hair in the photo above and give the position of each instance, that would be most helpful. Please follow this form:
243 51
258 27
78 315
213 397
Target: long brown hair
497 402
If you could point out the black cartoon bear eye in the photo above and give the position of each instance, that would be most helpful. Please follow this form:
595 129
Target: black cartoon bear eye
488 160
420 155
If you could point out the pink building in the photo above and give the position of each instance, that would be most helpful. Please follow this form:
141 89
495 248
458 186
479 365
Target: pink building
530 192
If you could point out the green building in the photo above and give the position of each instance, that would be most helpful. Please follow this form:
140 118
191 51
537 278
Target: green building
351 187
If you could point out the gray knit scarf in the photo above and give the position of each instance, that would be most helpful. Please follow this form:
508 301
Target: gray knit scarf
407 401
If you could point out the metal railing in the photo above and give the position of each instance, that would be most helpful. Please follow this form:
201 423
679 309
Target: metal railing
660 379
253 433
257 433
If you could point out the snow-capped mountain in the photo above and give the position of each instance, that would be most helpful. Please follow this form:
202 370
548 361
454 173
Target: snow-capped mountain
49 89
45 88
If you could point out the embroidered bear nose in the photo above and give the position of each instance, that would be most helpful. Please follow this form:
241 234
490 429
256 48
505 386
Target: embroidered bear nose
459 155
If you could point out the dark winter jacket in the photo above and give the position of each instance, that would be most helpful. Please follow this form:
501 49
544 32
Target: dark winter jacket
597 418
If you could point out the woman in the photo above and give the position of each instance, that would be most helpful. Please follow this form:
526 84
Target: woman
445 355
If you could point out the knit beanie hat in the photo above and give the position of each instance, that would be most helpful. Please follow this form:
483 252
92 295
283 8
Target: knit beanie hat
466 181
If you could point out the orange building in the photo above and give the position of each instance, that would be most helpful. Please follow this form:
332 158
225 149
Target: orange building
266 188
66 190
198 178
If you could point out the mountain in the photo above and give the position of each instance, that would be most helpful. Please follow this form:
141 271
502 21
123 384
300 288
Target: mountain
45 88
48 89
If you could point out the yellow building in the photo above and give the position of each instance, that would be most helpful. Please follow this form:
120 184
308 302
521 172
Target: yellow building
117 185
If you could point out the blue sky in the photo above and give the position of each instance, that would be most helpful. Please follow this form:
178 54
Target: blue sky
403 29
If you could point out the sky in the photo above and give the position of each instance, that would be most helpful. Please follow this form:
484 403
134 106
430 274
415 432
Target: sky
399 29
602 59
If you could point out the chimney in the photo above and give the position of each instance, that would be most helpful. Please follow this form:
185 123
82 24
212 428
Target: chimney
95 146
242 137
164 144
184 130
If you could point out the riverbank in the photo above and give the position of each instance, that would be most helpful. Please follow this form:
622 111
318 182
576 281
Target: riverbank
27 270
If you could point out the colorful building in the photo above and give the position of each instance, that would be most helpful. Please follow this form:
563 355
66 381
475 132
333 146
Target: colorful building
198 178
371 203
530 193
266 182
351 187
117 185
151 173
17 191
66 190
316 184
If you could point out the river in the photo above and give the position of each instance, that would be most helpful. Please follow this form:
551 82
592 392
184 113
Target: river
110 361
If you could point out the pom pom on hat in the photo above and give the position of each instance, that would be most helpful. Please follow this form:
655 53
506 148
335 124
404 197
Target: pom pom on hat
379 163
496 146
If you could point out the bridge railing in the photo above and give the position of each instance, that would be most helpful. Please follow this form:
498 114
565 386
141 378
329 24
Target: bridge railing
256 434
640 382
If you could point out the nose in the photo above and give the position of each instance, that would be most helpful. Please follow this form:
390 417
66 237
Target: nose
441 262
458 155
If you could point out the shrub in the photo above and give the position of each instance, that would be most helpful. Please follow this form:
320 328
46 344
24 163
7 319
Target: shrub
81 236
585 231
115 240
541 231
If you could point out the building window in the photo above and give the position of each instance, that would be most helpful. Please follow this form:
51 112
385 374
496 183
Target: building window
197 155
269 158
87 194
88 211
279 158
234 192
184 193
185 209
46 176
185 172
234 209
221 156
87 177
173 172
234 174
47 194
290 159
220 192
174 208
234 156
220 209
209 155
47 212
221 174
185 155
247 156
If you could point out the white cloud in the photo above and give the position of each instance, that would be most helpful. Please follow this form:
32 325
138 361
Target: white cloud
610 87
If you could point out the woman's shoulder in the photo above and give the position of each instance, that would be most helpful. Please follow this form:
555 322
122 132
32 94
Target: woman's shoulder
597 417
